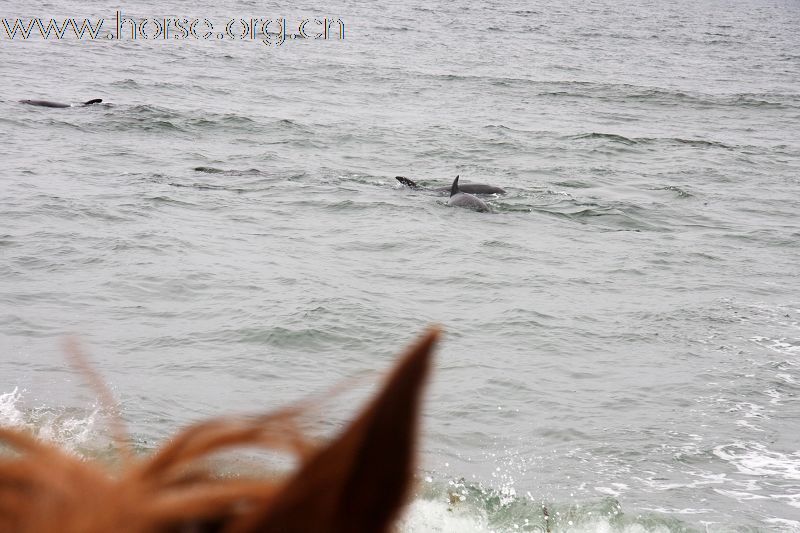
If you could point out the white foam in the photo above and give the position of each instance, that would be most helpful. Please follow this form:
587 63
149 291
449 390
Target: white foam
614 490
792 498
748 425
433 516
789 525
775 396
781 345
674 510
47 424
756 460
741 496
426 516
9 414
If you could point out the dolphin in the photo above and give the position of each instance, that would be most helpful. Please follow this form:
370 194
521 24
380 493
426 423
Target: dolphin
462 199
47 103
471 188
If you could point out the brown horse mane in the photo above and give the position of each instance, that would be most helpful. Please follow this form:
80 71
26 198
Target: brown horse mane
356 482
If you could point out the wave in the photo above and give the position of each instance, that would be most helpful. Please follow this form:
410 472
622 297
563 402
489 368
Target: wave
229 172
620 92
447 506
607 215
613 137
151 118
457 506
70 428
606 136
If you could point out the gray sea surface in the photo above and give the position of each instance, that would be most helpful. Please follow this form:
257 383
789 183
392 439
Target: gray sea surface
224 234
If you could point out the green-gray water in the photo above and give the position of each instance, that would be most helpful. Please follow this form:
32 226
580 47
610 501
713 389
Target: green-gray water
225 234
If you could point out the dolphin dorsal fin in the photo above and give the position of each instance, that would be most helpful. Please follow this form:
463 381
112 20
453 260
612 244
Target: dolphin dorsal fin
94 101
454 187
407 182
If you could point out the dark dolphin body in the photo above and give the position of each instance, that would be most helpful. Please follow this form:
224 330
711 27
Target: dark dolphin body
471 188
47 103
459 198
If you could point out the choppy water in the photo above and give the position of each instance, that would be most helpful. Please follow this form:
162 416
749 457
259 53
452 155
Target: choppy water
623 338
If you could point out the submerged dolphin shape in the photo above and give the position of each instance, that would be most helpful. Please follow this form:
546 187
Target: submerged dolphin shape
472 188
48 103
462 199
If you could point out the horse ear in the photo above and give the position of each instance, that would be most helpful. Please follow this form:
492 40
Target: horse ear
360 480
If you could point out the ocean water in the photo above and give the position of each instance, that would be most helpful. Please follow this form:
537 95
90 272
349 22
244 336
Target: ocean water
224 234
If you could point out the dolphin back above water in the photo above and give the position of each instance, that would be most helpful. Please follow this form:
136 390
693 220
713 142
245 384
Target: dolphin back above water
48 103
459 198
471 188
